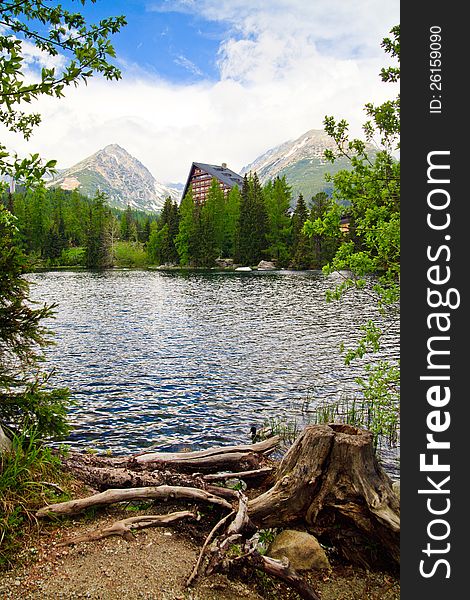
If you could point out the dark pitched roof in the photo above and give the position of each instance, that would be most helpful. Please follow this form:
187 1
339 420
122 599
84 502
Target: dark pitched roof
221 173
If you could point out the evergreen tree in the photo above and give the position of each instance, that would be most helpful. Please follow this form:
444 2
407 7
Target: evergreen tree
146 230
127 224
301 245
211 225
76 217
98 248
39 225
278 198
157 247
55 242
252 223
230 222
24 399
164 249
186 239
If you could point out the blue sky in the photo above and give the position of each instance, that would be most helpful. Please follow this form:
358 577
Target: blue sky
219 80
176 45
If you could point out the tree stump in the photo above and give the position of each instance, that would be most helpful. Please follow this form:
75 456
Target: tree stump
331 481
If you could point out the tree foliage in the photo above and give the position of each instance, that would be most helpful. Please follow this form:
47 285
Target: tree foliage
83 50
277 200
252 222
25 400
372 190
98 248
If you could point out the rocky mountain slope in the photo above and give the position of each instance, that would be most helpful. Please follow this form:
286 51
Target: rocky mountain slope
301 161
122 177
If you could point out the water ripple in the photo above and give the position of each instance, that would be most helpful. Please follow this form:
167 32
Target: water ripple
170 359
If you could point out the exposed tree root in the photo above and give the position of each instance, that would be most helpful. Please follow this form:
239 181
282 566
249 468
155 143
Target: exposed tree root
255 474
279 570
329 481
208 539
124 527
163 492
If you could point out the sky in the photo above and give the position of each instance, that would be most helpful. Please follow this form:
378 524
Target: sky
217 80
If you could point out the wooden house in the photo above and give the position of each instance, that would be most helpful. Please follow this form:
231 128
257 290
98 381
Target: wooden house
200 178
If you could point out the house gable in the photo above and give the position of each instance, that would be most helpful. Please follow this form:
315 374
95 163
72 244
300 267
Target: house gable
200 179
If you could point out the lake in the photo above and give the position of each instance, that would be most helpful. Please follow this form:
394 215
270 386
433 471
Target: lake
173 360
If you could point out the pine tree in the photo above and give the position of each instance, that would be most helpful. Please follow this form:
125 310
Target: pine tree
230 222
186 239
278 198
98 249
39 222
128 228
24 400
301 245
164 249
252 223
55 241
211 225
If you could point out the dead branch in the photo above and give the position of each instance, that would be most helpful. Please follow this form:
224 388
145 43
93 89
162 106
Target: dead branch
125 526
279 570
263 447
254 474
216 527
163 492
242 522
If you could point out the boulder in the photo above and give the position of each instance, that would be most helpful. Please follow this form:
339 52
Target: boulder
224 263
266 265
5 442
301 549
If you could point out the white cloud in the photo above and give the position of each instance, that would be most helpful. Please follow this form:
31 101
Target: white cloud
283 67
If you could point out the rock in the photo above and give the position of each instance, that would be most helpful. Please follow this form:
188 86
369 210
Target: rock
224 263
243 269
5 442
266 265
301 549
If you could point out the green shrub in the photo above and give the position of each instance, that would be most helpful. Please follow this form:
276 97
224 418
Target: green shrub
29 478
73 257
130 254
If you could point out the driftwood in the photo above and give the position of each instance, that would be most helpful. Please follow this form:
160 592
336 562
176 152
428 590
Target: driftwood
245 475
104 477
264 447
158 468
124 527
163 492
329 482
208 539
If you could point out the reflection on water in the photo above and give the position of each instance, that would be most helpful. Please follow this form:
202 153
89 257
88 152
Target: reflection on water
173 359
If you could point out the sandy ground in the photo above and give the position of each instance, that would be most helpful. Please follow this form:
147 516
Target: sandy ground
155 566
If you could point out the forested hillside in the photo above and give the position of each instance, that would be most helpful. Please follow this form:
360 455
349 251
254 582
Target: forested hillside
65 228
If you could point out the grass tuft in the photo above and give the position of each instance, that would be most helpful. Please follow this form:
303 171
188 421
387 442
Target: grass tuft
30 477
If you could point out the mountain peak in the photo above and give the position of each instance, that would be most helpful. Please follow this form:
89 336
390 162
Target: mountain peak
124 179
113 147
302 161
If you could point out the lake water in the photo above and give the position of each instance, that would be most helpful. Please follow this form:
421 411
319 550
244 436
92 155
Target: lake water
171 359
